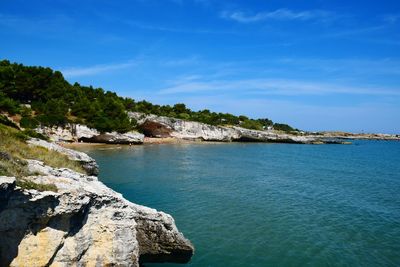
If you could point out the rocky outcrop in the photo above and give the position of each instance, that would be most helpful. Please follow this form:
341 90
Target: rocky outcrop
269 136
182 129
155 129
77 132
359 136
88 163
200 131
68 133
84 223
115 138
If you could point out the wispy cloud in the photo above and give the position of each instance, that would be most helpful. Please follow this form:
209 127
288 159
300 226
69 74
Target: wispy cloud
391 18
51 24
274 87
193 60
279 14
96 69
355 31
347 66
171 29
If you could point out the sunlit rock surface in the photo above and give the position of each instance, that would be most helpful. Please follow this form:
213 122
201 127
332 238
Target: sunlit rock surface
84 223
153 125
77 132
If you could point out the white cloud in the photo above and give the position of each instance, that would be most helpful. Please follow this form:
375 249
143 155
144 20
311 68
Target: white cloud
274 87
96 69
193 60
391 18
279 14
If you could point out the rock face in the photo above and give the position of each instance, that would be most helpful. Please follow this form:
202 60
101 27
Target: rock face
78 132
84 223
269 136
115 138
68 133
152 125
155 129
88 163
185 129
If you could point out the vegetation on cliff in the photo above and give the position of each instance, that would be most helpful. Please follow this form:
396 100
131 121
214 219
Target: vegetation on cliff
51 100
14 151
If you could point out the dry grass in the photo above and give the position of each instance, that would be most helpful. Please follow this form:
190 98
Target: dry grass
12 142
26 184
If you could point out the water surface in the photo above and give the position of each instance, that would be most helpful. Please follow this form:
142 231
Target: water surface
269 204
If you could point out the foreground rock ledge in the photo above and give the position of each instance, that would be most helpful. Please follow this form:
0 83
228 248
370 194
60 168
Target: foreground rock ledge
84 223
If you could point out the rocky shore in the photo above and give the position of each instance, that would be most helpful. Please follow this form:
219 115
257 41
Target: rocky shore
166 127
82 222
159 129
81 133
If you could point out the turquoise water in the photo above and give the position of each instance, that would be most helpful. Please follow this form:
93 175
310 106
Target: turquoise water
270 204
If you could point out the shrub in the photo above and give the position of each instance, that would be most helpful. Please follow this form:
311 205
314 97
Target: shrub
56 101
283 127
251 124
4 120
8 104
29 122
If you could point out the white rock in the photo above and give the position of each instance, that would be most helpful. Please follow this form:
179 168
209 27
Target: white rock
84 223
195 130
88 163
78 132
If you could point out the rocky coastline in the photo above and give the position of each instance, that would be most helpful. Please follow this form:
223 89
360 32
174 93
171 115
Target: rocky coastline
82 222
158 129
81 133
165 127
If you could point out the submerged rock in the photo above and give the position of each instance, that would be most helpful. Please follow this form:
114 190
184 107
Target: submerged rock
84 223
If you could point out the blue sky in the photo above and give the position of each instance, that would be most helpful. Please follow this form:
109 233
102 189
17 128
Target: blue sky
315 64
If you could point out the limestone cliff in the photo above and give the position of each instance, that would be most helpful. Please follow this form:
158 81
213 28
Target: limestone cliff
83 223
159 126
78 132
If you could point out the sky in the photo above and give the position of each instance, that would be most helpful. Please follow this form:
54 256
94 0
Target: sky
314 64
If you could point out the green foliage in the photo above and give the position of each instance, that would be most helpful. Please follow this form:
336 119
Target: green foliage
32 133
4 120
55 102
27 134
29 122
283 127
8 104
252 124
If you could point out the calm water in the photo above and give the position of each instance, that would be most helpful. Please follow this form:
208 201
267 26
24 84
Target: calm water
270 204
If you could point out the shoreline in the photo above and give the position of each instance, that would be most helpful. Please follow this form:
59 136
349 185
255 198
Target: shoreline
174 140
146 141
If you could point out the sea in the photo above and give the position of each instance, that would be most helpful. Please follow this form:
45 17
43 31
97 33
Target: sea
258 204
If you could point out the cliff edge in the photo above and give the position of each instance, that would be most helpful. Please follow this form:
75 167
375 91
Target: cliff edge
81 222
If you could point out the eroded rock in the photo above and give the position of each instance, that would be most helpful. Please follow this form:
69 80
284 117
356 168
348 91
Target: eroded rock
116 138
84 223
155 129
200 131
78 132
